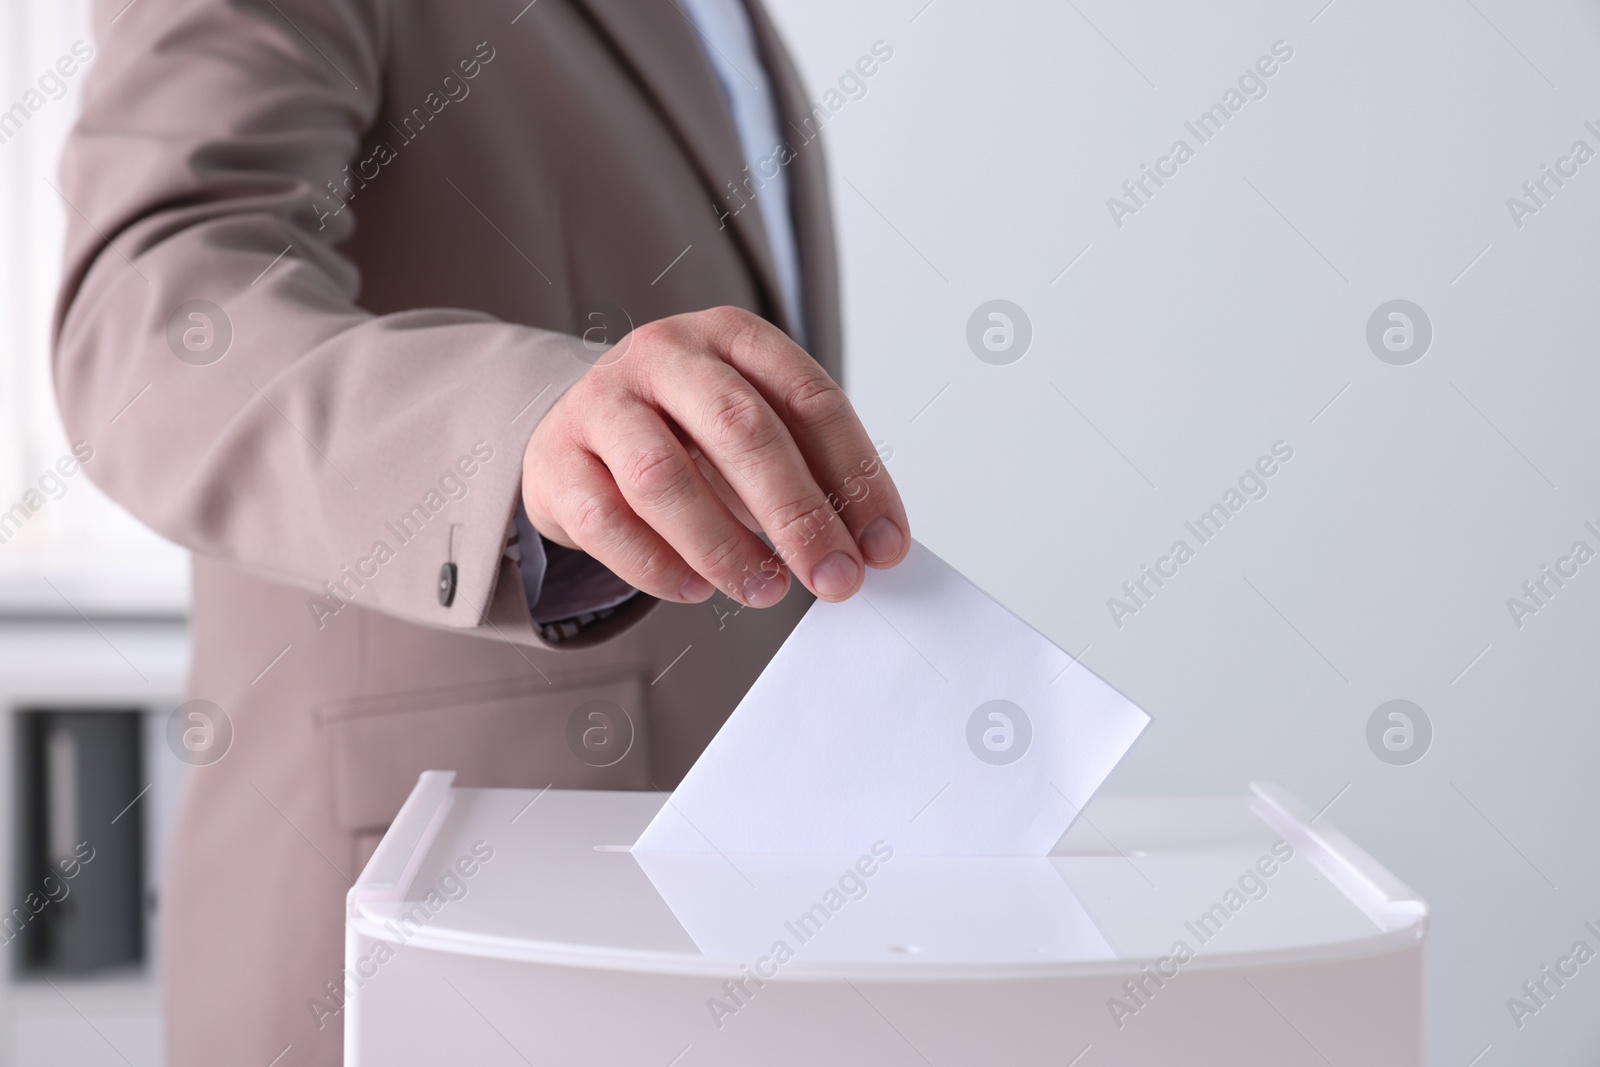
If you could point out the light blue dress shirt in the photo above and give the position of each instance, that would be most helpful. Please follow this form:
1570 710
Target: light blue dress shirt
729 41
567 589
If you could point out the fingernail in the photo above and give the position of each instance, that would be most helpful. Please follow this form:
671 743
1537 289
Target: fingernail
761 591
695 589
836 576
881 541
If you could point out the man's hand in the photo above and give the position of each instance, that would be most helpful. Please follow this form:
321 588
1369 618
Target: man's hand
664 462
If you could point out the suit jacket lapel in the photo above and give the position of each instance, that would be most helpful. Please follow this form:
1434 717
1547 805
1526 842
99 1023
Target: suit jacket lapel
658 44
809 199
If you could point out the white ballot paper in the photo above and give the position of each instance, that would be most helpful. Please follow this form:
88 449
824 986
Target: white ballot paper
920 714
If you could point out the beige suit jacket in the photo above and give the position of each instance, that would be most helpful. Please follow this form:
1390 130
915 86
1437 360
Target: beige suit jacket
391 217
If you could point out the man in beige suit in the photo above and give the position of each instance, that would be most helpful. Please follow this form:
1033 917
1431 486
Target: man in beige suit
440 516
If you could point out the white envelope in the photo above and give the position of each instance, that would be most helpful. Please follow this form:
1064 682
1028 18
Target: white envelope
919 713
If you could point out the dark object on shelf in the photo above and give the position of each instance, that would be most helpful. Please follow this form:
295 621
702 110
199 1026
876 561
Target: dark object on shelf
78 904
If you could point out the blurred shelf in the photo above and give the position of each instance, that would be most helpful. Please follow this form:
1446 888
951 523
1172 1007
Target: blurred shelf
135 658
70 660
144 585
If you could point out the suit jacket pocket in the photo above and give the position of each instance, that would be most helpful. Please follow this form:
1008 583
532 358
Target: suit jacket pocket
572 733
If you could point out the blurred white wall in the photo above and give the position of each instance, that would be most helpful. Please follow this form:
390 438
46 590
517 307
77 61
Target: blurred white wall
78 551
1225 316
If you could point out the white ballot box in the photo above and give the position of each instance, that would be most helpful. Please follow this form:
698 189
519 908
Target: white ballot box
514 927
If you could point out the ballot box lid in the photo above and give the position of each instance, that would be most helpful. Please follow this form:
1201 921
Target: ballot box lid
548 876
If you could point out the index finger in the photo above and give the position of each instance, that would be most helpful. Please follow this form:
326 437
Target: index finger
825 428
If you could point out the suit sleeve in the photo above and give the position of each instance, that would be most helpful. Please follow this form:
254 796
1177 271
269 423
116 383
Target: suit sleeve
210 349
